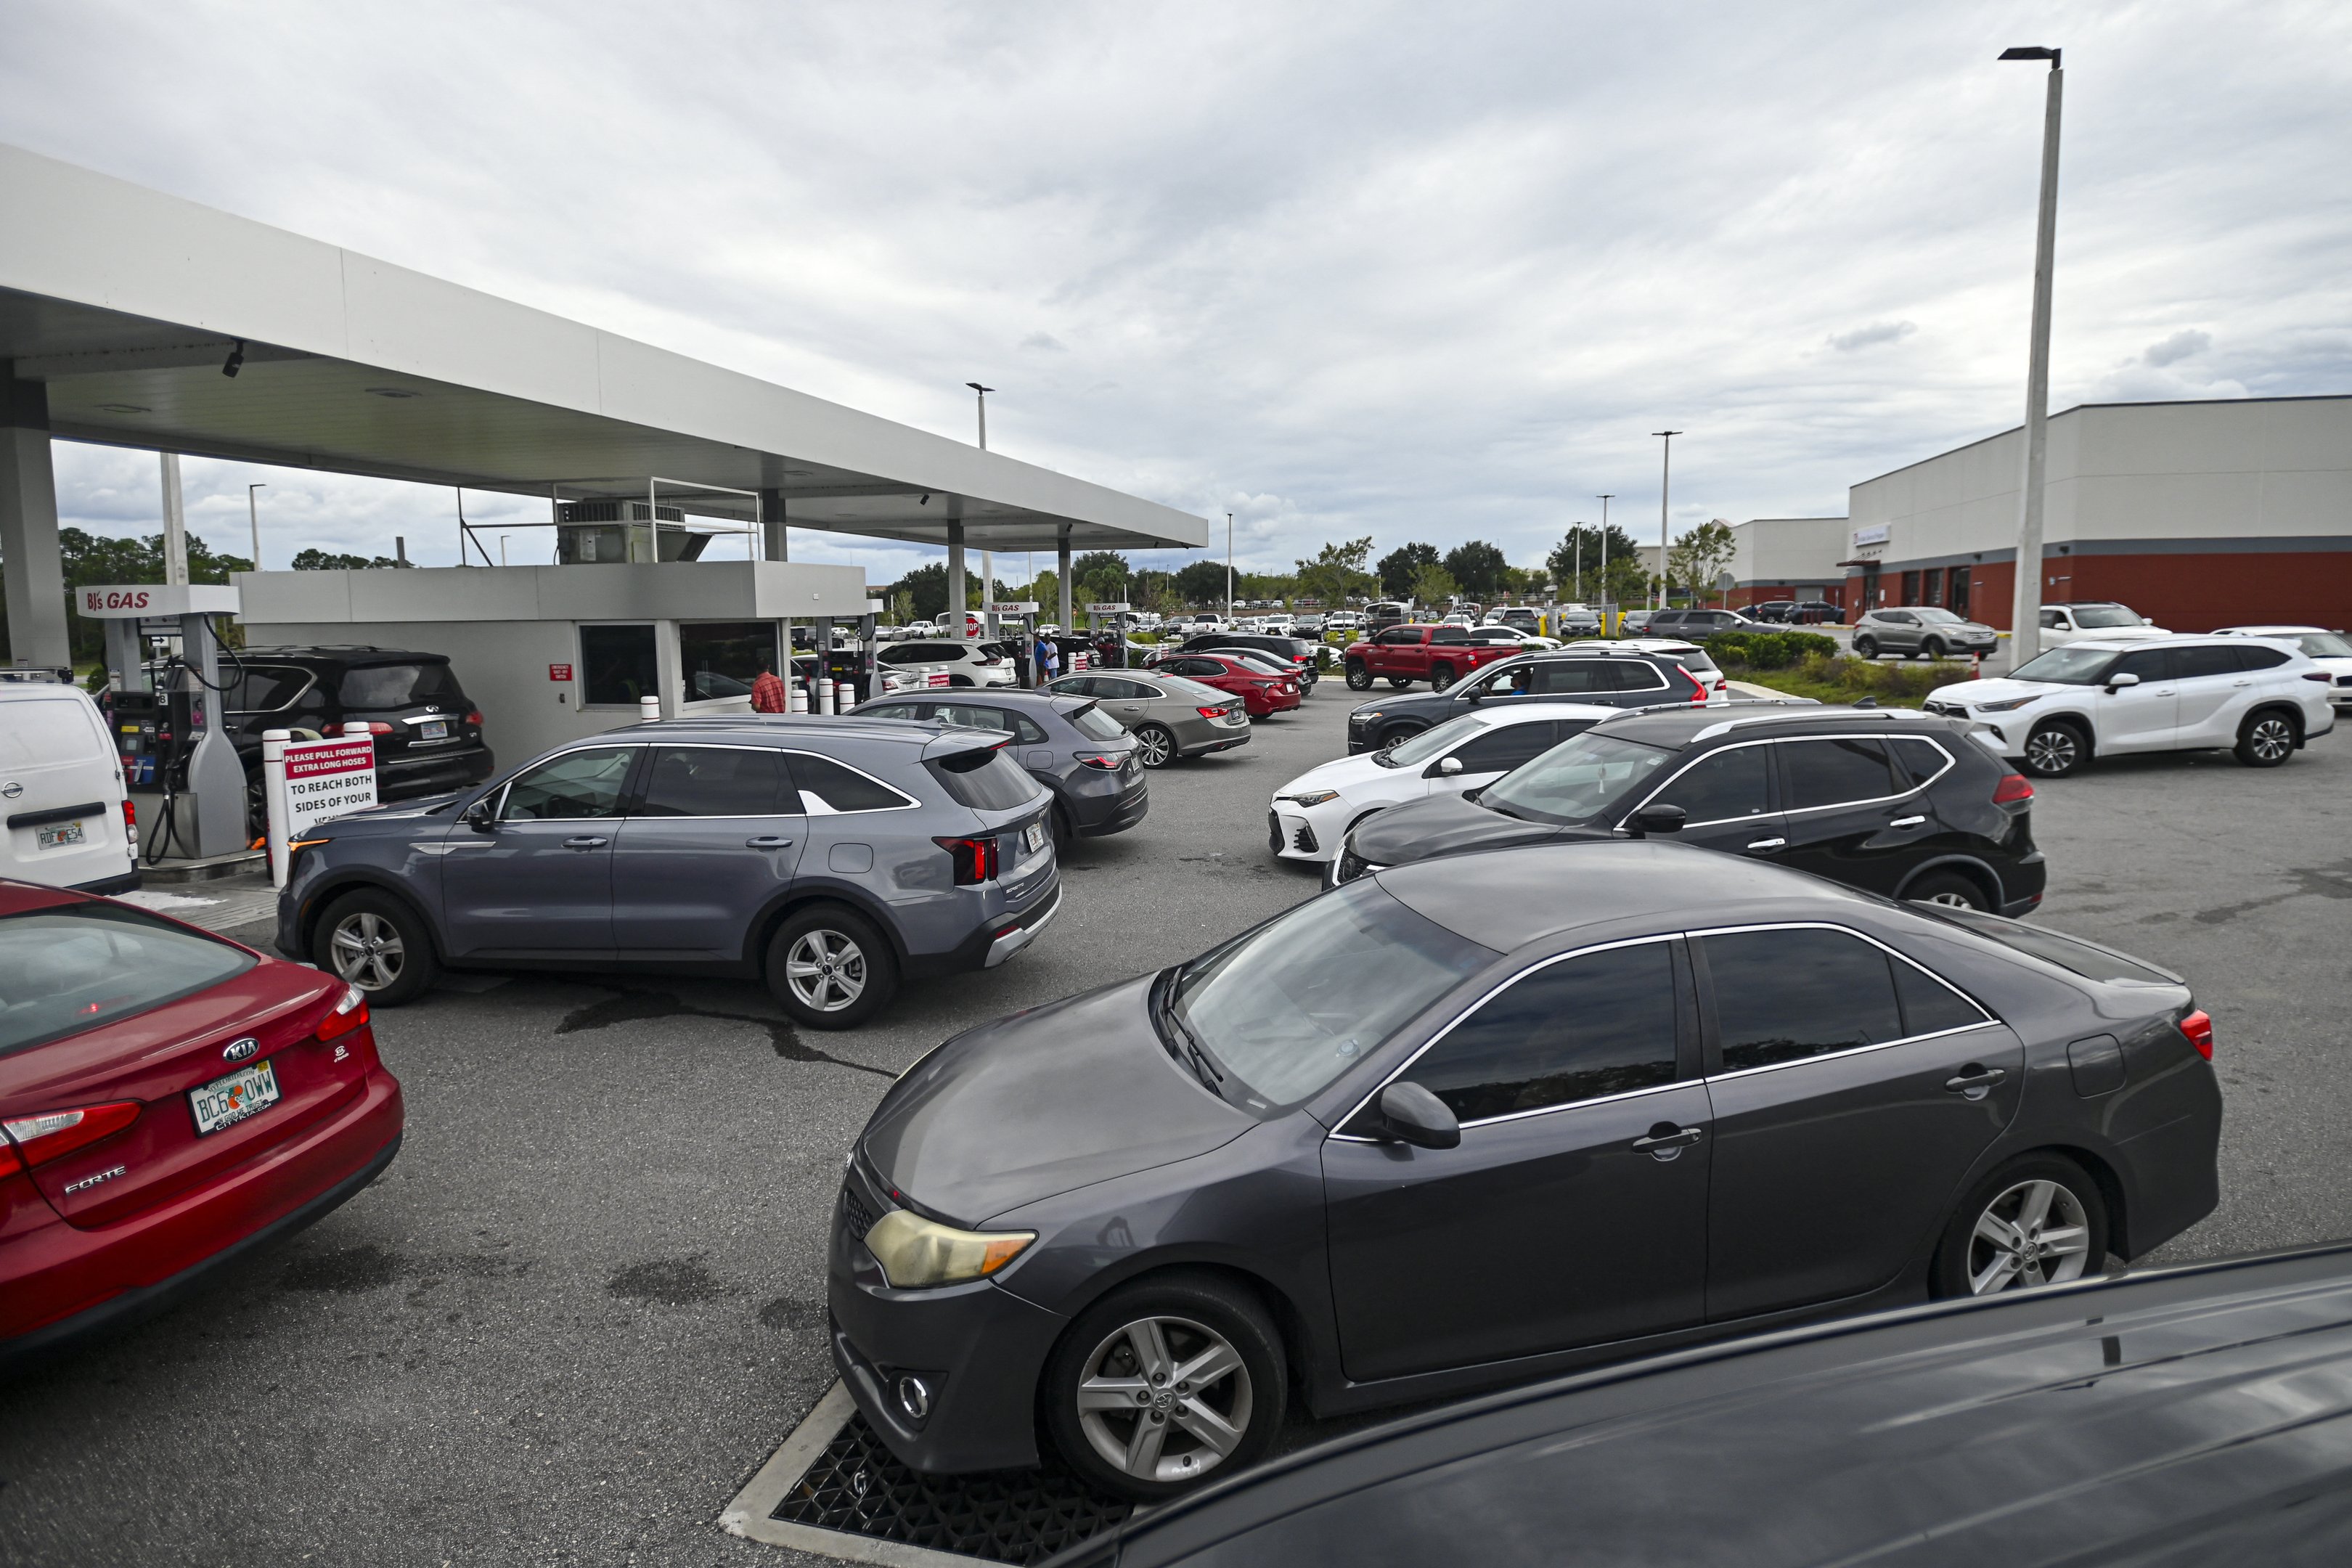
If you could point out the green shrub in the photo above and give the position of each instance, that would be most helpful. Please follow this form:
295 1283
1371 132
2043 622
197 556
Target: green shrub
1769 650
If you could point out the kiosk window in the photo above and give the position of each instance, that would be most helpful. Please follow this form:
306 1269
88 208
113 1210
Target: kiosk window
619 664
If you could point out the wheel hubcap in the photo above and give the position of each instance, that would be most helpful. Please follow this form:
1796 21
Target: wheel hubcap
1154 747
2272 739
2037 1233
368 951
825 970
1952 900
1164 1399
2051 751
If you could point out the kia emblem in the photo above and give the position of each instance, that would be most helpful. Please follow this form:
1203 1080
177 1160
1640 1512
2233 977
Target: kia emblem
239 1050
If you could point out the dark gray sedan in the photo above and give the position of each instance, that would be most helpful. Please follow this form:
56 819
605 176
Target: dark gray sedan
1474 1121
1085 757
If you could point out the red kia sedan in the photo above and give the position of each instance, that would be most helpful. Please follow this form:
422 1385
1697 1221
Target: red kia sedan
169 1099
1262 691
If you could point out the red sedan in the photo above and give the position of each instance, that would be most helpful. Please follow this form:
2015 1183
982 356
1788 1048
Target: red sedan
168 1099
1262 691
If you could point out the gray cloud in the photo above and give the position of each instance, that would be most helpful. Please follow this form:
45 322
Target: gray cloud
2179 346
1876 333
1045 341
1415 274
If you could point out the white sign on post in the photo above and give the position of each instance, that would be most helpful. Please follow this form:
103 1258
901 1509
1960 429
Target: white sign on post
308 782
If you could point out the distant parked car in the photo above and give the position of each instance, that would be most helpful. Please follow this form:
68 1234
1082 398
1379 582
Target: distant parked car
1525 639
1697 623
1386 613
1523 617
1085 757
1774 612
1169 716
1921 631
1633 623
2260 699
1689 655
1341 621
1591 674
767 846
2108 621
963 663
1302 670
70 819
1263 692
172 1100
1817 612
2330 651
1574 621
1408 652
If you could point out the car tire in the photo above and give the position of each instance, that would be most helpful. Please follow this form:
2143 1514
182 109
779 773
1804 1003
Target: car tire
1358 677
1866 648
2266 739
1980 1260
1933 649
1441 677
2056 750
1063 832
1397 734
1949 887
1176 1320
377 941
1399 681
1155 745
828 968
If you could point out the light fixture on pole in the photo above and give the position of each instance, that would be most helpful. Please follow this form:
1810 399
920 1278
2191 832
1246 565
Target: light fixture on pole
253 521
984 392
1665 490
987 557
2025 617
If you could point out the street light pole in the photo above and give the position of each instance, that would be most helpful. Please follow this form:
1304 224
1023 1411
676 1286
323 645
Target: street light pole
1665 488
253 521
2025 618
1605 500
987 557
1228 566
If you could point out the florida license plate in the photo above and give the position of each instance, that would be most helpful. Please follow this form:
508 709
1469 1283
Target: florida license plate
58 834
226 1101
1032 837
433 729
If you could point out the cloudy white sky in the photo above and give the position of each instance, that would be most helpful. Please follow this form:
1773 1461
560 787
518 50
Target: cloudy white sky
1430 271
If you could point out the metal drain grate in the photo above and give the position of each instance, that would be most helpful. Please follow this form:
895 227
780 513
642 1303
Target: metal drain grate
858 1487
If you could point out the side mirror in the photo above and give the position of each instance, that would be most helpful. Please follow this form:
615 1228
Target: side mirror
1411 1114
1659 819
2118 682
1449 766
477 815
1474 694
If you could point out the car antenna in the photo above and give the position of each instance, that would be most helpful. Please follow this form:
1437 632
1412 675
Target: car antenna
1867 702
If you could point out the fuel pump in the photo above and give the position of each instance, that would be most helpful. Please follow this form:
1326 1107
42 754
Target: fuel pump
172 730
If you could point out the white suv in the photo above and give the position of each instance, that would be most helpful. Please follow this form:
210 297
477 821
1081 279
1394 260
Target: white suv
61 792
2261 698
2104 620
964 663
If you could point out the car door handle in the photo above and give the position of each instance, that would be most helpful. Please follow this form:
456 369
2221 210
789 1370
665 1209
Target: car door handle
2241 683
1665 1141
1907 822
1975 1081
769 843
1769 843
585 843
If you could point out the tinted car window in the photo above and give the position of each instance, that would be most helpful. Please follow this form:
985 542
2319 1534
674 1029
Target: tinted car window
2258 657
2148 663
1500 750
917 712
1577 780
982 780
1079 686
262 687
617 665
1721 786
1399 635
2212 659
1694 660
1096 725
1575 675
1601 1024
1450 634
63 970
1915 760
1930 1006
575 784
398 685
1782 996
713 781
1831 773
970 717
828 788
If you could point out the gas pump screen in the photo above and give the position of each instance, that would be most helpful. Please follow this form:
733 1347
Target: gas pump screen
327 778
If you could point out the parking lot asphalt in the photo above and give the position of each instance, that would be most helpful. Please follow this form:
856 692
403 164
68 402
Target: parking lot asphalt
588 1300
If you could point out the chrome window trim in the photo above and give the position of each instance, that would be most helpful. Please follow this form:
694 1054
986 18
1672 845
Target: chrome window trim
499 814
1455 1022
1765 815
1986 1021
1870 800
912 802
309 681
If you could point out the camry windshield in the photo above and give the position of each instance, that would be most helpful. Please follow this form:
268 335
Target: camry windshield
2068 666
2091 618
1281 1011
1435 742
1577 780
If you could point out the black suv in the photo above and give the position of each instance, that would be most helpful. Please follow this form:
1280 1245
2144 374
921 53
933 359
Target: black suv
1901 804
1585 675
428 733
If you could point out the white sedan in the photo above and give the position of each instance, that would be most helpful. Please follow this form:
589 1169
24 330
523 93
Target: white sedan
1525 641
1312 813
2331 651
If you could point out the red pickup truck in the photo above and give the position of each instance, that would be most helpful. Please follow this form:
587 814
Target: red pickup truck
1439 655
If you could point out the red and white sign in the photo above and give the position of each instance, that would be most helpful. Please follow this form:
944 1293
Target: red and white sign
310 782
128 601
559 672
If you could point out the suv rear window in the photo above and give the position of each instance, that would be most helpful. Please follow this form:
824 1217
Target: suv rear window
399 685
1695 660
63 970
985 780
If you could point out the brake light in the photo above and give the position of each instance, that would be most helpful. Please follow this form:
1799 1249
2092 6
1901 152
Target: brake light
2320 675
130 817
1212 713
52 1135
349 1015
2012 789
975 859
2198 1027
475 717
1699 687
1102 759
378 727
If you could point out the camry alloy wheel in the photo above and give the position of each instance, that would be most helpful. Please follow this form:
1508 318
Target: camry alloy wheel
2052 750
1164 1399
826 969
2036 1232
368 951
2270 739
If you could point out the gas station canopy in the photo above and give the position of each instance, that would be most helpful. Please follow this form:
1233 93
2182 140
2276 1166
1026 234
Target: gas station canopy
127 303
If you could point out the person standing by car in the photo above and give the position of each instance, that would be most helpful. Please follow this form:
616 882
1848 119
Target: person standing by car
768 694
1048 659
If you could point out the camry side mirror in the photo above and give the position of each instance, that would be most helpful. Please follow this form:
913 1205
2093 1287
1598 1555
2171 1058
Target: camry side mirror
1411 1114
2118 682
477 815
1659 819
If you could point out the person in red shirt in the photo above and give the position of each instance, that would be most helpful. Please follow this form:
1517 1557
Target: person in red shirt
768 694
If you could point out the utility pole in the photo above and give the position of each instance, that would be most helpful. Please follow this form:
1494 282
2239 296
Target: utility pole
1665 488
253 521
1604 500
2025 620
175 524
987 557
1228 566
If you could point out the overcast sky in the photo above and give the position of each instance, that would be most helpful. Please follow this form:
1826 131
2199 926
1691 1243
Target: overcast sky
1428 271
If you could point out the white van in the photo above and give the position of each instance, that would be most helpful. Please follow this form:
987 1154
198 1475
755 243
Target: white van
61 795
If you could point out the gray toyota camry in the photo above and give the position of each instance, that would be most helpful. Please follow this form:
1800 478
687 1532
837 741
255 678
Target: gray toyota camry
1472 1121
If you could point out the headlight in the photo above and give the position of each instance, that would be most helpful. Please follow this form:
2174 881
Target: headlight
1363 718
2009 707
1312 797
915 1253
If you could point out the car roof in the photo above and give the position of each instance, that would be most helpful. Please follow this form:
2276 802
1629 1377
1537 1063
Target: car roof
1683 723
337 653
774 728
2133 645
2266 631
22 898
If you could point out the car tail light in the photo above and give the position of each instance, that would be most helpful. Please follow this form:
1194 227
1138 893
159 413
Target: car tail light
349 1015
378 727
130 817
2195 1026
975 859
37 1139
1212 713
1699 687
1102 759
474 718
2012 790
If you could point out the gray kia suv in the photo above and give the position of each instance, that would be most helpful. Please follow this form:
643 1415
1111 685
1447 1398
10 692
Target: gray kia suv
828 857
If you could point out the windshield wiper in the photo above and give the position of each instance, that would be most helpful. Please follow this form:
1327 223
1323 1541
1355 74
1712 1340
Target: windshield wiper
1384 760
1192 1053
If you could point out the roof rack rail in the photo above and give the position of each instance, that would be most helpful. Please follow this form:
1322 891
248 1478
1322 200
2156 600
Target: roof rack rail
1730 724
